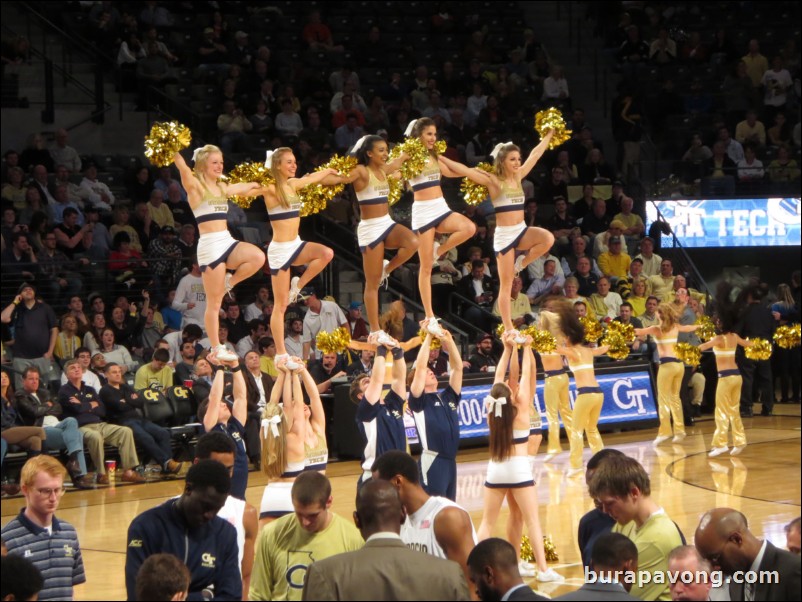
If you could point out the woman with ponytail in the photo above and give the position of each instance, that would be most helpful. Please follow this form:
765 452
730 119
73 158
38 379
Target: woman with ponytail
512 237
286 249
283 432
728 388
431 214
669 376
509 470
565 326
224 262
376 230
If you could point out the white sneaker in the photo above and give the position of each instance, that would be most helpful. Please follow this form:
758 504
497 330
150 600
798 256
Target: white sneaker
222 353
295 290
549 575
228 286
679 438
519 338
382 338
525 571
385 281
435 251
660 440
717 451
519 264
434 328
737 450
291 365
548 457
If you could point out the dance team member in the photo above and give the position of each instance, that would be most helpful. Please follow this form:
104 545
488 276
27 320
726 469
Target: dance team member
316 448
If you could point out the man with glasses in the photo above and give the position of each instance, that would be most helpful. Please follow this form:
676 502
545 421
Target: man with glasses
36 534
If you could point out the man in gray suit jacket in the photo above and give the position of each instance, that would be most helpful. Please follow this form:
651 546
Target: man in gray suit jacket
613 566
723 538
385 569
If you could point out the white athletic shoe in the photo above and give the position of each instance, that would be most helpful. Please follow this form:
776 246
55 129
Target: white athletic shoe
549 576
222 353
679 438
660 440
228 286
295 291
291 365
382 338
435 251
385 281
525 571
434 328
737 450
717 451
519 264
519 338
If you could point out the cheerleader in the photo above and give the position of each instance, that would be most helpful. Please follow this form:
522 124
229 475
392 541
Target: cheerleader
286 249
224 262
377 231
431 215
555 394
509 469
512 235
728 389
316 447
283 436
565 326
669 376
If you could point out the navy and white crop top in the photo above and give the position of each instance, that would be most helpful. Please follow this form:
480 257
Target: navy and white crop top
511 198
211 208
375 193
278 212
428 178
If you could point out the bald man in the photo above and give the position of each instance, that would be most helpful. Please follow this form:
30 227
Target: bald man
684 561
385 569
724 539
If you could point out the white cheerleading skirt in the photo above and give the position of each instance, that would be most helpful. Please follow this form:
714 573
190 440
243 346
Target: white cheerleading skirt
428 214
508 237
512 473
371 232
280 255
276 500
214 249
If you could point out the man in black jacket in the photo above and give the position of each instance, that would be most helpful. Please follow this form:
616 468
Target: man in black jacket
756 321
123 405
481 290
36 407
494 572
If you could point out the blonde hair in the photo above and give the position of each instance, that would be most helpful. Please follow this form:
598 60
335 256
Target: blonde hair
202 156
784 296
668 316
43 463
498 162
275 159
274 448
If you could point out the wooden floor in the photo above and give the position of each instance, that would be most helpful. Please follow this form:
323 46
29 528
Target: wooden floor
763 483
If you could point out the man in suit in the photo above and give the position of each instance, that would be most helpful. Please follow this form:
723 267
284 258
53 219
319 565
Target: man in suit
480 289
724 539
493 566
385 569
613 568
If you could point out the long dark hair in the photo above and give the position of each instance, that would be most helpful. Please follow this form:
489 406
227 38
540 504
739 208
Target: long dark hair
726 308
367 146
567 322
500 438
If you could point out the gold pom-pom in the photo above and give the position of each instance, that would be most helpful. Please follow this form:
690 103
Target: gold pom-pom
787 337
527 553
543 341
552 119
500 331
165 140
335 341
417 153
619 350
396 190
689 354
626 331
315 197
759 350
550 549
593 329
436 344
249 171
473 193
440 147
706 330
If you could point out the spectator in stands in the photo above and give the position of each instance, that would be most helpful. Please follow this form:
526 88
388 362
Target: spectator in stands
190 333
779 134
156 374
63 154
70 237
596 222
57 270
783 169
166 257
293 341
626 316
317 35
756 63
587 279
60 563
40 181
232 126
267 356
165 181
751 131
605 304
116 353
35 331
190 297
36 154
202 378
356 324
250 342
719 172
695 157
549 284
776 82
481 290
259 385
615 263
185 368
321 316
595 169
569 260
346 135
68 340
663 50
84 357
122 407
362 365
651 261
562 224
519 305
484 358
662 284
288 123
315 135
632 53
82 402
732 147
19 261
97 192
159 212
554 188
29 438
326 371
555 90
750 169
602 241
121 217
14 190
261 120
213 54
238 326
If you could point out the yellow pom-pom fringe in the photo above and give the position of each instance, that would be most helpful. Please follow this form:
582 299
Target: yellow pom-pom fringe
787 337
249 172
315 197
759 350
706 330
165 140
418 155
552 119
593 329
436 344
396 190
688 354
335 341
474 193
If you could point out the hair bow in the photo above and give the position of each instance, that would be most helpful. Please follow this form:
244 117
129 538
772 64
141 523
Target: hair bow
497 149
359 144
271 423
495 404
268 158
408 131
195 154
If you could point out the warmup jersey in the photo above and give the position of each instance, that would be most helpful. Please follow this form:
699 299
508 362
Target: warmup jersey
381 426
437 421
